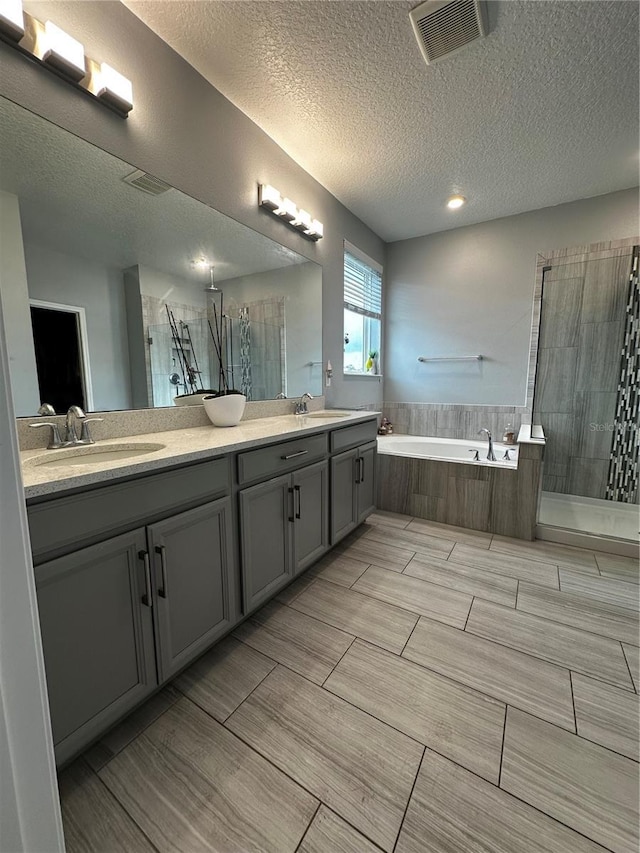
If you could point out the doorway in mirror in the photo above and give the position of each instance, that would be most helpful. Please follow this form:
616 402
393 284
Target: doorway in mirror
60 342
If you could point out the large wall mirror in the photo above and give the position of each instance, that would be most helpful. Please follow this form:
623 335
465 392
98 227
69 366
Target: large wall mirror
123 312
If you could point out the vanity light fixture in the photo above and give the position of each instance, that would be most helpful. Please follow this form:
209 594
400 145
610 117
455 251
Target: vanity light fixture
55 49
62 52
270 198
455 202
11 19
114 88
316 231
287 210
302 221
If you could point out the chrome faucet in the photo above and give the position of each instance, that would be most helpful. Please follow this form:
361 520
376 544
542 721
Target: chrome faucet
490 455
71 436
74 415
301 405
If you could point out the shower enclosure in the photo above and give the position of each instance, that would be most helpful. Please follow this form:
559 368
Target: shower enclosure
586 393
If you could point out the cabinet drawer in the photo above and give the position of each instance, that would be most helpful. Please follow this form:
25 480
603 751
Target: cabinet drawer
352 436
64 524
267 462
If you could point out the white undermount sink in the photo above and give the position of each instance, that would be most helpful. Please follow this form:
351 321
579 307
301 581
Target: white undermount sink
327 414
93 454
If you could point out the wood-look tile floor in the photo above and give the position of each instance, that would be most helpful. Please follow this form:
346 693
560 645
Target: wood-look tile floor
421 688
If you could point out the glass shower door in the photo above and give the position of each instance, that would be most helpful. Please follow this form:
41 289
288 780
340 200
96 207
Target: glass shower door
586 394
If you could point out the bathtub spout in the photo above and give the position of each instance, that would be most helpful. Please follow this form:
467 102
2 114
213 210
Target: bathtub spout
490 454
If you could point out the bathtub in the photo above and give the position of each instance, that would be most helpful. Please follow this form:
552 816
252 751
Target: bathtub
447 449
437 479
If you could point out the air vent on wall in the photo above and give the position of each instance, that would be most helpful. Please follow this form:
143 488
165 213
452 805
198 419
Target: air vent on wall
443 27
147 183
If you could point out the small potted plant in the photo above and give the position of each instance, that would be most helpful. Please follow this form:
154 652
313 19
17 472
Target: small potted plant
371 364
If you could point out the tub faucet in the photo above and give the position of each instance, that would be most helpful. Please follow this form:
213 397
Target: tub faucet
490 455
301 405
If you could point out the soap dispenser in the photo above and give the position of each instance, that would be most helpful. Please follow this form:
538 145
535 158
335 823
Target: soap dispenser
509 436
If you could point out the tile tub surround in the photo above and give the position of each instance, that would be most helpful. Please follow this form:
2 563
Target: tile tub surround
482 497
181 447
142 421
302 732
453 421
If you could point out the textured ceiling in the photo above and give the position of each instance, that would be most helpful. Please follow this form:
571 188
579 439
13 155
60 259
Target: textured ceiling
542 111
73 199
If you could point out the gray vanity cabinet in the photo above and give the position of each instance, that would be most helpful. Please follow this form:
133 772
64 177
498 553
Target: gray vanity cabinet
192 575
284 528
366 481
352 489
310 514
97 635
266 511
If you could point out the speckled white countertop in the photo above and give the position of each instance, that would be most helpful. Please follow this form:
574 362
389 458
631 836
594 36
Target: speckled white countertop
178 447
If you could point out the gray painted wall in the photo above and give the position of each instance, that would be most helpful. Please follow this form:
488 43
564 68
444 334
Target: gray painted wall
58 277
469 291
184 131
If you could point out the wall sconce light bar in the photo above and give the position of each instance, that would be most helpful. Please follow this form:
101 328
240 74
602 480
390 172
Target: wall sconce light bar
114 89
287 210
11 19
269 197
62 51
54 49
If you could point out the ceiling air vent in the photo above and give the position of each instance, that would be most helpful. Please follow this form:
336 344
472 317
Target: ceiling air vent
443 27
146 182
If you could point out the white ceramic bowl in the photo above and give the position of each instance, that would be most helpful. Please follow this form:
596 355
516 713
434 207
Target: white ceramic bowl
225 411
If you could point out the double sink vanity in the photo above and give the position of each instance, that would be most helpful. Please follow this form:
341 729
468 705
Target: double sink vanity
148 550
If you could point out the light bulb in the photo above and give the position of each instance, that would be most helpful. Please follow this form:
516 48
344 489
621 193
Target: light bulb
455 202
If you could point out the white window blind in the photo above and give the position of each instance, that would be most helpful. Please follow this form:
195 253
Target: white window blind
362 287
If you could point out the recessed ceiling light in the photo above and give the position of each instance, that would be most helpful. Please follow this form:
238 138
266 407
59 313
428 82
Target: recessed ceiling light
455 202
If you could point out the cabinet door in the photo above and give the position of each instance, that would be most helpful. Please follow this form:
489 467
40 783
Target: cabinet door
97 637
344 509
311 513
192 564
366 480
266 522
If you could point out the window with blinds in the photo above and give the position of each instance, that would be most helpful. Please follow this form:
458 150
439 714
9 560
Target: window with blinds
362 314
362 287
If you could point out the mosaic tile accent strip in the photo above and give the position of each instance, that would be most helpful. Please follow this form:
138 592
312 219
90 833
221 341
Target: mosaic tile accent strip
623 466
245 352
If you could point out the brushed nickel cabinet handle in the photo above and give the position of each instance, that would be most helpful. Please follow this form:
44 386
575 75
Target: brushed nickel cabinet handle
146 598
361 460
293 455
357 466
292 516
162 551
296 489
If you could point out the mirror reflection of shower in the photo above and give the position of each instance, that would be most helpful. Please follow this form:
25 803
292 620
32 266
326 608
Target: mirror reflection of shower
229 345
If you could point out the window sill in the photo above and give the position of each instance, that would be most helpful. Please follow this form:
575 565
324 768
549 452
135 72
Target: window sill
356 375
